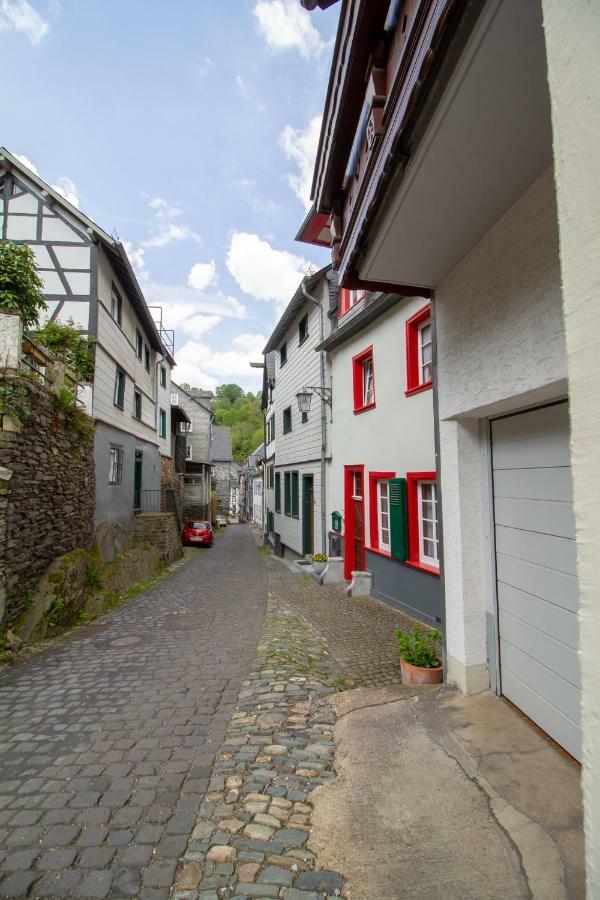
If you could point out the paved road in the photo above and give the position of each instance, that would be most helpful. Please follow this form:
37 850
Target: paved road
107 742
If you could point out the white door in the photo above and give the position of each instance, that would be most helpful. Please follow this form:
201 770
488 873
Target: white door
536 573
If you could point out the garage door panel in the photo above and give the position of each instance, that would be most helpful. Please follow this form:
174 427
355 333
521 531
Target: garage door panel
534 484
557 588
536 570
545 550
535 424
544 516
560 727
539 645
557 691
559 623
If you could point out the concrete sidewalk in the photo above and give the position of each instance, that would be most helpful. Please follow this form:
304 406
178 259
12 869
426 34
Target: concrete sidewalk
442 796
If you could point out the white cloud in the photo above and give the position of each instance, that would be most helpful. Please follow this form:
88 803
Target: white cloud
197 325
67 188
244 89
202 275
164 230
262 271
136 258
20 16
286 26
199 365
300 147
164 209
204 67
25 159
181 304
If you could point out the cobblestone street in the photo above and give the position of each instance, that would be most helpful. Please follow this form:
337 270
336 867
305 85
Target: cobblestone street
114 778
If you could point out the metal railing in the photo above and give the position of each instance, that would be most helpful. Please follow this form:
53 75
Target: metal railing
150 501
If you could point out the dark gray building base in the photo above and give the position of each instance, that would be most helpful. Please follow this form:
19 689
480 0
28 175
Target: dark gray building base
115 502
418 594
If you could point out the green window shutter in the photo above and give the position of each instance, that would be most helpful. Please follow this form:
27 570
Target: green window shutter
398 518
295 495
287 495
277 492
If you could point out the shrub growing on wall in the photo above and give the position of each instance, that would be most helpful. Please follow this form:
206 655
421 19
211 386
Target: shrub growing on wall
21 287
71 347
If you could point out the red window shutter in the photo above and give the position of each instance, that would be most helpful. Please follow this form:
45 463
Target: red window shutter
344 304
357 383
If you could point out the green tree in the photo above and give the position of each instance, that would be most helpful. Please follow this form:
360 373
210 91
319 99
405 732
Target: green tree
21 287
73 348
241 412
231 392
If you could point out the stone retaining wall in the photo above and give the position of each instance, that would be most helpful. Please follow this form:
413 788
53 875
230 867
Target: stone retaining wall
161 530
47 489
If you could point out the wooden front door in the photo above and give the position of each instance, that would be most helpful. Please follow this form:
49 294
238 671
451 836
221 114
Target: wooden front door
137 480
354 546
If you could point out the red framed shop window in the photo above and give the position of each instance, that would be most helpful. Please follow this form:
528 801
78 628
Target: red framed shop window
380 525
348 299
419 352
423 522
363 379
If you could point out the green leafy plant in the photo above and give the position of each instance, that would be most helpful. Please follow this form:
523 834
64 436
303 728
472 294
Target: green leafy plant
93 574
13 401
418 647
71 347
76 418
21 287
319 558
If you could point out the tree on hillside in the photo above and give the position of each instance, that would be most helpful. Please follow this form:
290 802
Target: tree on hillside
242 413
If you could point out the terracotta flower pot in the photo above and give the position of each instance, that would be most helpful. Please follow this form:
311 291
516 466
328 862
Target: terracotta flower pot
415 675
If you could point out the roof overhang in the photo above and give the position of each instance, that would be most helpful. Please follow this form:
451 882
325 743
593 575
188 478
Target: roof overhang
293 307
315 229
481 137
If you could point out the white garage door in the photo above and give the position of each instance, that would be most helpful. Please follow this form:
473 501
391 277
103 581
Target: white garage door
535 561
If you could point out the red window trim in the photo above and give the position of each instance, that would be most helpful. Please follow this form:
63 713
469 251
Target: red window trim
379 552
374 477
412 498
349 516
357 380
344 304
413 385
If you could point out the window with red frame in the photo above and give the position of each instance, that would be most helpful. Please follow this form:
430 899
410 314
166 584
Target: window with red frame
419 351
379 511
348 299
423 525
363 375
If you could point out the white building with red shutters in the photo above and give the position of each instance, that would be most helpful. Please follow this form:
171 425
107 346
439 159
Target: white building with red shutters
382 472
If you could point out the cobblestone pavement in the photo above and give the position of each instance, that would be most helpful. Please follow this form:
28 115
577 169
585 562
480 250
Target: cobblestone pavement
107 740
251 836
359 631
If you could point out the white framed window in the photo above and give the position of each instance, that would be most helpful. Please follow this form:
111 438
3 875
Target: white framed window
185 427
383 515
357 485
115 465
367 382
425 352
188 452
428 523
174 399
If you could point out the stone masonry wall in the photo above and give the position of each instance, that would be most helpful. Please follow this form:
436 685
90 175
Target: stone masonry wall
161 530
47 491
224 478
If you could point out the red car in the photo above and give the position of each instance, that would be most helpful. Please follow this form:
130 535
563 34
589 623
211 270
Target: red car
198 533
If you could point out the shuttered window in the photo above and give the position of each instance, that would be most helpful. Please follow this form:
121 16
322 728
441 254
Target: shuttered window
277 492
398 518
295 495
287 493
423 525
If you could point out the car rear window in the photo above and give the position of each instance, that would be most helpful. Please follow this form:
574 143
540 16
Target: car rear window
199 525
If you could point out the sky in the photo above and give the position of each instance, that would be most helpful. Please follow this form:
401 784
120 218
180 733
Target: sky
188 129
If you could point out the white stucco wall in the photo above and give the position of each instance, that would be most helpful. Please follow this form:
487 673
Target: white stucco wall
572 39
500 347
397 434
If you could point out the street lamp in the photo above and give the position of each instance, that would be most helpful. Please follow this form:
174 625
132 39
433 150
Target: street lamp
304 397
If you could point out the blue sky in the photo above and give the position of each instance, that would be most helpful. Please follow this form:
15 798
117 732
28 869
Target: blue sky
189 128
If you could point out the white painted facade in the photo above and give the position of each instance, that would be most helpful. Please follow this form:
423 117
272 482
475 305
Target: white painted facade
257 500
500 348
397 434
572 34
299 450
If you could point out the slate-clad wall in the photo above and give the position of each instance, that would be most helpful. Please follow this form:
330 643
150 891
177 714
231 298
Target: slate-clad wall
47 504
416 593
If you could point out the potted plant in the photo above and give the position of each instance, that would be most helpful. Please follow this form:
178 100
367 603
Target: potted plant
319 562
419 659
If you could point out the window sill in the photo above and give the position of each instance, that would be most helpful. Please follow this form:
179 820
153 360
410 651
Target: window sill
422 567
379 552
289 431
118 405
361 409
418 389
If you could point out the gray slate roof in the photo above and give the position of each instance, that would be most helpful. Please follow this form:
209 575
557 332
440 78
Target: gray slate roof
220 444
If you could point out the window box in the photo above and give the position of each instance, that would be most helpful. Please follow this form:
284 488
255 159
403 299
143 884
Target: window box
363 376
423 524
419 355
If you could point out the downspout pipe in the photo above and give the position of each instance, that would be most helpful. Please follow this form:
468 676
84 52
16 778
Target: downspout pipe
323 417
